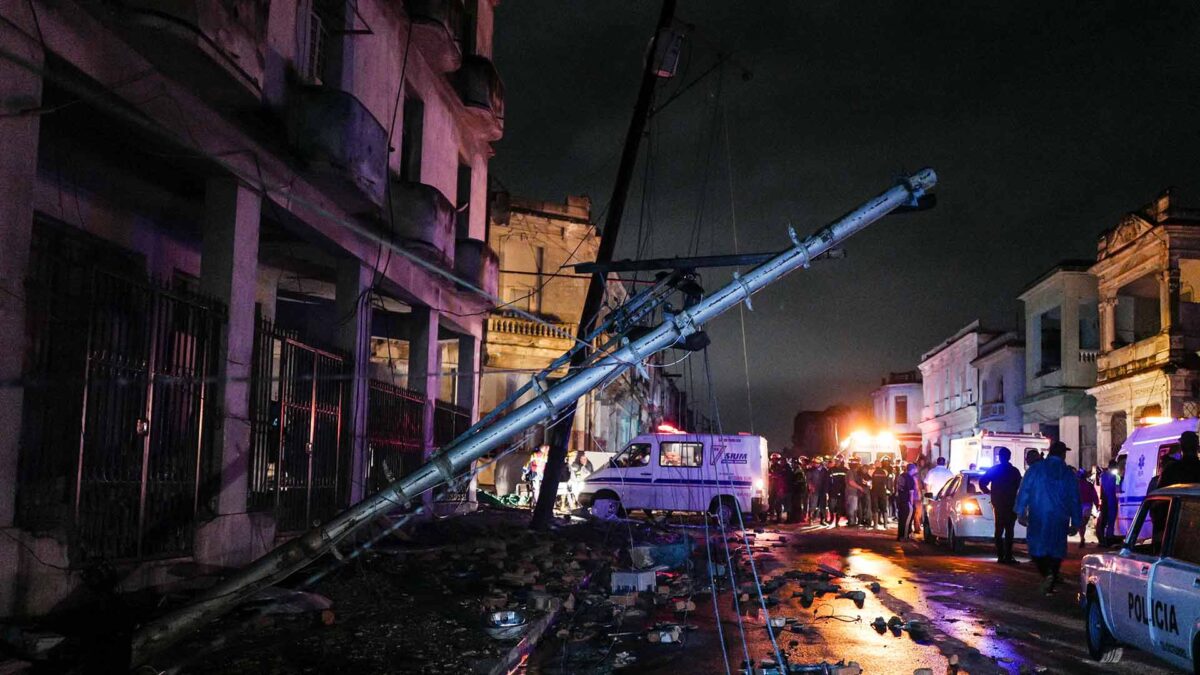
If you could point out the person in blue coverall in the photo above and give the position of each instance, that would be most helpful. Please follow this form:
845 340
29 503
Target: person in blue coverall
1048 506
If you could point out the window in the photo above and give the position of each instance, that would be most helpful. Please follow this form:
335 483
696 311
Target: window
634 454
1186 544
686 455
1089 326
412 135
463 219
948 489
901 407
1146 537
326 26
470 25
1050 327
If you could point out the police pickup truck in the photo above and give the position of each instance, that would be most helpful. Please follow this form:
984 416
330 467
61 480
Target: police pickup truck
1148 595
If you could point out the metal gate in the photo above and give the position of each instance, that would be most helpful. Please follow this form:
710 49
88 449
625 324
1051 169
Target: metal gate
120 448
296 465
395 433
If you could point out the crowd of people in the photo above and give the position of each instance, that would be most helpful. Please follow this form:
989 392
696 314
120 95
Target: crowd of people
1052 500
833 490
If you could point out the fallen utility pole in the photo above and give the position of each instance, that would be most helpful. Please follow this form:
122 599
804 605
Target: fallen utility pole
560 436
154 636
691 263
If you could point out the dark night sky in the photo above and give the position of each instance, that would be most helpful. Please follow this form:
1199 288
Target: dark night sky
1045 121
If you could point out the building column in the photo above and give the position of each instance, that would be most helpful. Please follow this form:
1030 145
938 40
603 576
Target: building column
229 272
1068 433
423 371
26 584
1107 309
466 392
467 388
352 302
1168 298
19 90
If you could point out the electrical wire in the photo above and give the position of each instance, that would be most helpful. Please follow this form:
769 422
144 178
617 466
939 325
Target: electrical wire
734 228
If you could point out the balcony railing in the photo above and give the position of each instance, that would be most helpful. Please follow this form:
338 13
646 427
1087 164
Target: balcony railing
1088 355
435 31
482 93
991 411
525 327
341 144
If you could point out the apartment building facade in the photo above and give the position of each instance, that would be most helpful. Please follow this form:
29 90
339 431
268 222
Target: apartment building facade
216 216
1147 271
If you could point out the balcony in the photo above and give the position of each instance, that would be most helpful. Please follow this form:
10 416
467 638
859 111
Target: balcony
215 48
526 328
424 221
991 411
1132 358
435 31
340 143
482 92
1088 355
476 262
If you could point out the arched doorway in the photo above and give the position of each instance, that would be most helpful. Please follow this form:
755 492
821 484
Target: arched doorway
1118 429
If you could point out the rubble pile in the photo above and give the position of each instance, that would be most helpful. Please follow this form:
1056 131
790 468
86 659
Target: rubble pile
461 595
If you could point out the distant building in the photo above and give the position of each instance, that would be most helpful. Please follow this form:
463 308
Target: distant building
896 405
1148 272
1001 367
1062 338
949 380
536 242
819 432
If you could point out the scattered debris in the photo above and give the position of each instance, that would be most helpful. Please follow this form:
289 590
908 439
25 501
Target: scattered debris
506 624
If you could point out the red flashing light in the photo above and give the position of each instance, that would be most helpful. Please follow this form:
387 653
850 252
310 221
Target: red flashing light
669 429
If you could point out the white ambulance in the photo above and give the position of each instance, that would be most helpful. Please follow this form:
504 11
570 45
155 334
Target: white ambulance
978 452
1141 459
1148 595
682 472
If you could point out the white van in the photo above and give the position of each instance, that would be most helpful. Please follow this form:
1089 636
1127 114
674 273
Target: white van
1140 459
682 472
980 450
870 448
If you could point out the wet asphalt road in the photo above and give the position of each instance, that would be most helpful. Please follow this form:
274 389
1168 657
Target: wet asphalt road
991 616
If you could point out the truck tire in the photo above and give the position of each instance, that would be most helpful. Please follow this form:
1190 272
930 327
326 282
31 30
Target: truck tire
1101 645
725 510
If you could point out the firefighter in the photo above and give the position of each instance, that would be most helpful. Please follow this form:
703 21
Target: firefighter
798 510
837 490
780 477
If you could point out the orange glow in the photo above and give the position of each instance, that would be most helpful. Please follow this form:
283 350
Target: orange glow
665 428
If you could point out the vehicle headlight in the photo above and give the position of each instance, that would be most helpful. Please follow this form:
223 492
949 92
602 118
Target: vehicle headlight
758 484
969 507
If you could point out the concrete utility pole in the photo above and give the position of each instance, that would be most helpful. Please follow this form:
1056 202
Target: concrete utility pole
154 636
560 437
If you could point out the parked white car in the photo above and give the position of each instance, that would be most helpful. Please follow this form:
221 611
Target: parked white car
682 472
1148 595
960 512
